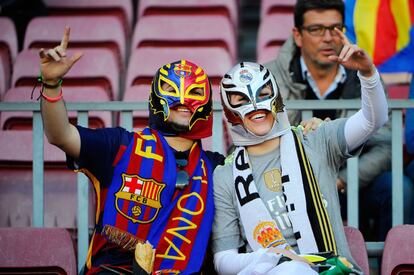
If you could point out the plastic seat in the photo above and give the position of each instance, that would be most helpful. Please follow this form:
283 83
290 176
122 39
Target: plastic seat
398 256
16 184
357 246
86 31
138 93
185 31
8 52
144 63
23 120
398 90
36 251
96 68
276 6
121 9
274 30
227 8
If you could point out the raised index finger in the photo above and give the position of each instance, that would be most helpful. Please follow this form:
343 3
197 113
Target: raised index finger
343 37
65 39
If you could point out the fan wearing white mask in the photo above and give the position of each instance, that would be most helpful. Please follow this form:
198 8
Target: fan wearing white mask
276 194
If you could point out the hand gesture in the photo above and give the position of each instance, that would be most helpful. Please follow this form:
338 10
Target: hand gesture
312 124
54 63
353 57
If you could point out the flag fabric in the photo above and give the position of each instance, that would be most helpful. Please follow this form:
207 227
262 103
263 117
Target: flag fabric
385 29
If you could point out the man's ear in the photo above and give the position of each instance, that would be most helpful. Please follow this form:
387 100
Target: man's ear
297 36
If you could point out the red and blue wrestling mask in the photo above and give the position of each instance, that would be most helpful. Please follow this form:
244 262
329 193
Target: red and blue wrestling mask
181 87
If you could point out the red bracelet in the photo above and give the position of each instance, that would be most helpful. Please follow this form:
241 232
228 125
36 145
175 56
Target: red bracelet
52 99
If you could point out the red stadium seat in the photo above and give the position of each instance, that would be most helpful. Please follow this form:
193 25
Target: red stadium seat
23 120
144 63
276 6
357 246
274 29
8 52
398 256
86 31
121 9
96 68
36 251
160 31
16 180
138 93
228 8
8 36
398 90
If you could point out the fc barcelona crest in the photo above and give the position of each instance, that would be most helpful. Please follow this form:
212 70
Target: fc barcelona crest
139 199
182 70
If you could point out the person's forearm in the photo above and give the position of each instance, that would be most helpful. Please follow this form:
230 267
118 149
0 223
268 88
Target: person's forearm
56 124
372 115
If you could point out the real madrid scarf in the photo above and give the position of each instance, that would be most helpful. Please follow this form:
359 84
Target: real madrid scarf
309 218
144 201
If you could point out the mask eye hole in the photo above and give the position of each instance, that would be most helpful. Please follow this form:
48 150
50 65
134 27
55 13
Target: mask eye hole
166 87
265 92
237 99
196 92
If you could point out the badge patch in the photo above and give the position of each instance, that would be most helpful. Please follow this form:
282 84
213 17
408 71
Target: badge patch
182 70
245 76
273 180
267 234
139 193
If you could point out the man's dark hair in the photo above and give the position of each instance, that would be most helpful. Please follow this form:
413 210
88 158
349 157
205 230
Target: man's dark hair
303 6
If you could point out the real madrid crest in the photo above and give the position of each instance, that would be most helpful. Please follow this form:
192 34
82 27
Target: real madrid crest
268 235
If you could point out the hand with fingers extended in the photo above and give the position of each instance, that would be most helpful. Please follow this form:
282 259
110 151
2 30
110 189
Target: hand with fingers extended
312 124
55 63
353 57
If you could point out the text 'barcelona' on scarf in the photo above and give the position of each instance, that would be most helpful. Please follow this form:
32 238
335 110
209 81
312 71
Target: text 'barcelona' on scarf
144 201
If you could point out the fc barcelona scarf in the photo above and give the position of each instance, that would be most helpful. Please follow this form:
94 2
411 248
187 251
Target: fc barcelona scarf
306 212
144 201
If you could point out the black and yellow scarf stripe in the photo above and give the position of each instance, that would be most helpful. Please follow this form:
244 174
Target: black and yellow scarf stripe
317 213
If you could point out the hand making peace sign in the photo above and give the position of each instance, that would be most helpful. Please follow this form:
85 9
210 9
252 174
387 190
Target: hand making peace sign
54 63
353 57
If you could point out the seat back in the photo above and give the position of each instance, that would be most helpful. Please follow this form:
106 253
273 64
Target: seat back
36 251
274 29
398 250
97 67
227 8
160 31
121 9
86 32
357 246
276 6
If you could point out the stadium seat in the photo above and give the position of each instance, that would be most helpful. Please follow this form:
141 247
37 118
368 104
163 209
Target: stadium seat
138 93
8 52
160 31
16 184
86 31
274 29
228 8
23 120
276 6
357 246
144 63
398 256
121 9
398 90
4 78
36 251
96 68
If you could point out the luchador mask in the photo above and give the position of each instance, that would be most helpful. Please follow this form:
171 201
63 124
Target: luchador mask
188 85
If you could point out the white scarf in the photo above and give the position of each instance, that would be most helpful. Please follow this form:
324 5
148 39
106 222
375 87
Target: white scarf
260 228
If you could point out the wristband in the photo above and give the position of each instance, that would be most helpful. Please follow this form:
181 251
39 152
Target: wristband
52 99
